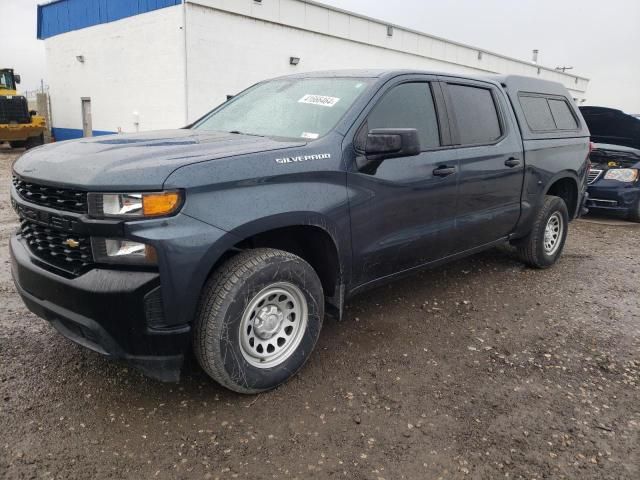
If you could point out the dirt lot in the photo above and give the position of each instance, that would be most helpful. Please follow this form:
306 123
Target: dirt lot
481 369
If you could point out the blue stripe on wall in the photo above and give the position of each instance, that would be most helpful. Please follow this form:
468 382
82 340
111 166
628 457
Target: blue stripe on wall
63 16
61 134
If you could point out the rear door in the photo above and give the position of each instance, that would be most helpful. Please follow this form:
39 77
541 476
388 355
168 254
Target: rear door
488 147
403 210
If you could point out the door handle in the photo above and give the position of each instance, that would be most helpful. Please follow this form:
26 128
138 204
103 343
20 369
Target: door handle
444 171
512 162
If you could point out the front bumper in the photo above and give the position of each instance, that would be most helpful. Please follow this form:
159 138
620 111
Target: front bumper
613 197
104 310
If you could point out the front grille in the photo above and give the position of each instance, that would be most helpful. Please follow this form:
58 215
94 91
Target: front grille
593 176
14 109
52 197
66 251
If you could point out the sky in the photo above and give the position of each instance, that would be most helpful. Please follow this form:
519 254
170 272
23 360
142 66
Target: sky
600 39
19 47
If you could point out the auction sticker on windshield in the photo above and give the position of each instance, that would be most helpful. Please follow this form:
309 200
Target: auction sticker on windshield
321 100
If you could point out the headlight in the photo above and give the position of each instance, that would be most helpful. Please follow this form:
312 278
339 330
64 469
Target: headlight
123 252
622 174
134 205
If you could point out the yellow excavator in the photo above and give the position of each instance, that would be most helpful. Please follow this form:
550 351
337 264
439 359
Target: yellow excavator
18 126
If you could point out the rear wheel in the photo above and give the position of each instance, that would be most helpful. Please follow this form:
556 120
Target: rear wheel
544 245
259 318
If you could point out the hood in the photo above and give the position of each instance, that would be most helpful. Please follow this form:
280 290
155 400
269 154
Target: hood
134 161
611 126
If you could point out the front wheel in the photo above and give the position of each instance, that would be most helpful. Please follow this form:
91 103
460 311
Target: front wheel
544 245
259 318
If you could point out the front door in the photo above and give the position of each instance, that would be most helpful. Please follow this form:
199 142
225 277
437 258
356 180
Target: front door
403 211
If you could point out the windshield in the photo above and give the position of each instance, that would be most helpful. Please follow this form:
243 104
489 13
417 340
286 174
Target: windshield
6 80
291 108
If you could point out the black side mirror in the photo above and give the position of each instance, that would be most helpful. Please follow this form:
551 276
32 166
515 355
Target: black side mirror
229 97
383 143
17 78
33 113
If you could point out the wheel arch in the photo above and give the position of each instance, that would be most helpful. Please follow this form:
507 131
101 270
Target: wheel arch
566 186
311 236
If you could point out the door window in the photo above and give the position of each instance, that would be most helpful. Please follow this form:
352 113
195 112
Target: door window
409 105
476 114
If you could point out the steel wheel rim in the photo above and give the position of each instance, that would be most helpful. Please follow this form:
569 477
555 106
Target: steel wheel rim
273 324
553 234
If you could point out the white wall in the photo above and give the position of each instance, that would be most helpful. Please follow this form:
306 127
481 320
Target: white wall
234 43
133 64
137 64
227 53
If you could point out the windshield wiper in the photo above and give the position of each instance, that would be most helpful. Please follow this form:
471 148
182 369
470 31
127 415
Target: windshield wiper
238 132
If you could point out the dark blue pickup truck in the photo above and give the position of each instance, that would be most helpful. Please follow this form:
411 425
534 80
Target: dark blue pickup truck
233 236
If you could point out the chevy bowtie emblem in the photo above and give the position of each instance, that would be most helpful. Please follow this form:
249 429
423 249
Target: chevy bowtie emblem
71 243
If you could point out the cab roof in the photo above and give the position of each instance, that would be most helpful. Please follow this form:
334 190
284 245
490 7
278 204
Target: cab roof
517 82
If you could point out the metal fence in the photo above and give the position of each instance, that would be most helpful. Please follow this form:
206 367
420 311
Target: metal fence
40 101
33 94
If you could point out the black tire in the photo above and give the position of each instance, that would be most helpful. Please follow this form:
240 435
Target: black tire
531 249
228 298
33 142
634 216
18 144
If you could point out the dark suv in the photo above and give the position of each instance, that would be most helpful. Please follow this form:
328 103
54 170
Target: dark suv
235 234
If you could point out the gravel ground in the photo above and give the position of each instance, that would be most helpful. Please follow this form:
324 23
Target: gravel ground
480 369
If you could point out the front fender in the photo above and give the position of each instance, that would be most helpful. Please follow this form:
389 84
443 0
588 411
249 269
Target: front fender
189 249
252 194
227 241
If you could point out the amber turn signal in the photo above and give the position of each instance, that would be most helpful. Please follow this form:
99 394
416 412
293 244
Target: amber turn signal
155 204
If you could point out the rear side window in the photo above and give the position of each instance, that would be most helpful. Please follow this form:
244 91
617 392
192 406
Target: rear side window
409 105
476 114
562 114
537 112
546 114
